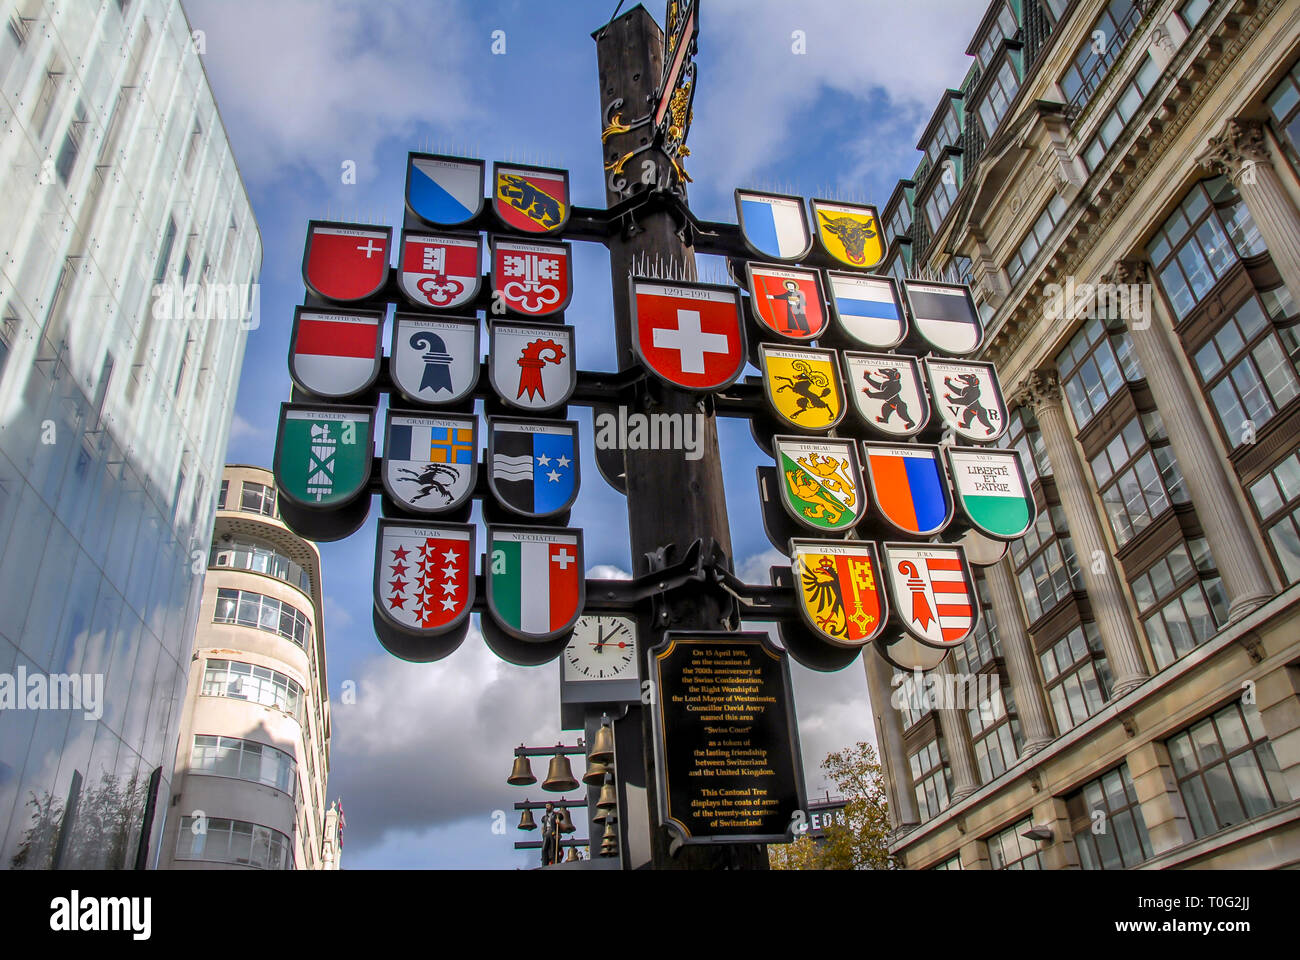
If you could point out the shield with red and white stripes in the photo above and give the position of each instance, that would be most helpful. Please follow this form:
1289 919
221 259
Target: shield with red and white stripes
932 593
535 584
335 353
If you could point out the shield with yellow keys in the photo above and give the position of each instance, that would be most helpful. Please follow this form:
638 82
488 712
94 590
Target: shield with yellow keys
849 232
803 386
838 585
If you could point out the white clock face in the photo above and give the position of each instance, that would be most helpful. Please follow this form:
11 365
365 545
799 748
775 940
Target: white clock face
602 648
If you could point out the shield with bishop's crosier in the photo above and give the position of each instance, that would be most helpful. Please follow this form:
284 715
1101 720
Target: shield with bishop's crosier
838 585
532 365
434 361
821 485
440 272
803 386
931 592
424 575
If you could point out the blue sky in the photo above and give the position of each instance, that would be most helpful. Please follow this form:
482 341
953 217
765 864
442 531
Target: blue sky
308 86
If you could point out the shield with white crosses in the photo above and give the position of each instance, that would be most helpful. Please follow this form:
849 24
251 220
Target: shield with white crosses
535 584
688 334
424 575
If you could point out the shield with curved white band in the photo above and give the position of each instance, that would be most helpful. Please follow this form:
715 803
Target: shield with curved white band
533 278
440 272
931 592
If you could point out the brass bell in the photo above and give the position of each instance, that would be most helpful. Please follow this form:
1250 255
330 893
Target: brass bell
600 815
526 822
521 774
595 774
602 750
566 821
608 848
611 832
608 795
571 856
559 778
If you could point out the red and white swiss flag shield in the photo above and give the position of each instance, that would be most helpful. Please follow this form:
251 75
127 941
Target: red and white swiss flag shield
335 353
689 334
345 261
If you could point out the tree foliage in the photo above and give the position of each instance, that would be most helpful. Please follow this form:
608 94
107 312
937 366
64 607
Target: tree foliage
862 841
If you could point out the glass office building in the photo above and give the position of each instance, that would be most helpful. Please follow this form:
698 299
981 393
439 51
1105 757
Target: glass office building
127 288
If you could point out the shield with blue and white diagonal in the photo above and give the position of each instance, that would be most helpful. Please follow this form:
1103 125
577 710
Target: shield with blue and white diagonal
533 467
444 191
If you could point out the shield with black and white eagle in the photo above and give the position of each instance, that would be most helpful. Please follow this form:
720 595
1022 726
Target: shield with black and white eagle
531 366
430 462
840 594
424 575
931 592
535 584
434 361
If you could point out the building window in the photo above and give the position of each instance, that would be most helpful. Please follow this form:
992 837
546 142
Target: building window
1003 26
261 558
1276 496
1099 51
995 729
1284 104
1094 367
1137 476
1126 105
165 251
915 705
1011 850
1248 369
952 863
1001 91
930 779
1077 676
1201 241
1192 11
1106 819
221 497
258 498
1036 237
244 760
1181 601
1045 563
245 681
983 647
234 841
939 202
899 222
1023 435
263 613
947 133
1226 770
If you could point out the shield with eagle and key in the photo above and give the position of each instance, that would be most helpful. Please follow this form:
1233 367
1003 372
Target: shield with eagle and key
840 596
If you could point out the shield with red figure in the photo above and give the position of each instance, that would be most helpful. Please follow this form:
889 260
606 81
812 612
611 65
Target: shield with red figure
531 365
931 592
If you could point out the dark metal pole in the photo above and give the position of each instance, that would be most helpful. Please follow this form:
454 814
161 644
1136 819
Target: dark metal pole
670 500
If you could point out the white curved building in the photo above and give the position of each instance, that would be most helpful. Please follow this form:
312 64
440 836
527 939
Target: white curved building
253 756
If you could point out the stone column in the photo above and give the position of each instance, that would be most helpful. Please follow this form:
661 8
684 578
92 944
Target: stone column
1161 804
1241 152
965 777
1031 707
889 737
1212 490
1042 391
1277 696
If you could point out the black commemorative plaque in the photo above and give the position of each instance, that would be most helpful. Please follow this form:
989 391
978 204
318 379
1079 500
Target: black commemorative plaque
725 738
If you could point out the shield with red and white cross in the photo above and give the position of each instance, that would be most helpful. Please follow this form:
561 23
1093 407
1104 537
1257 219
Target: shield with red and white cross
424 575
531 278
440 272
688 334
931 592
535 584
345 262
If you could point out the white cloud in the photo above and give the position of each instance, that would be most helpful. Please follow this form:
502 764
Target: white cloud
755 91
755 569
241 429
607 571
317 82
